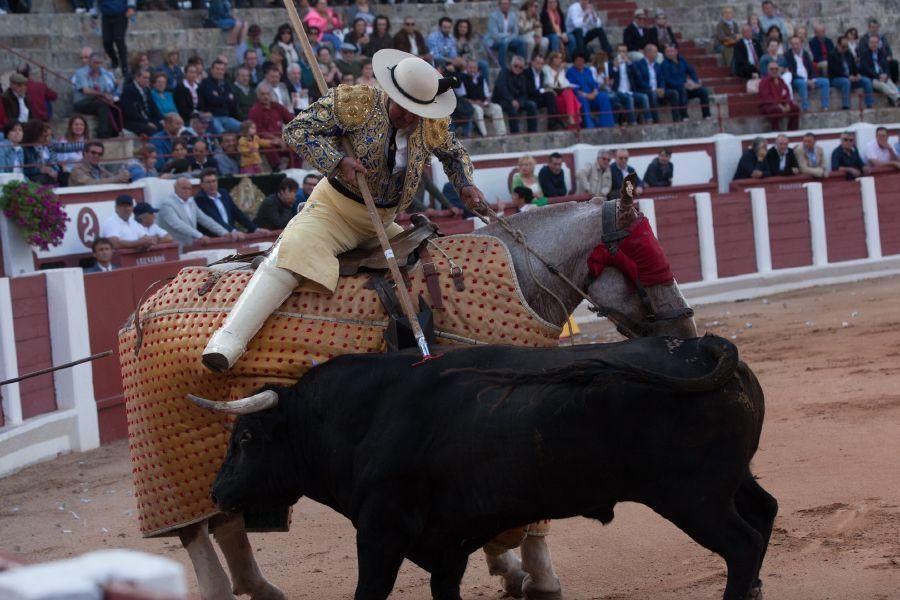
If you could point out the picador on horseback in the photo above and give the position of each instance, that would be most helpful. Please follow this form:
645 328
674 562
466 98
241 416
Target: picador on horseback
394 133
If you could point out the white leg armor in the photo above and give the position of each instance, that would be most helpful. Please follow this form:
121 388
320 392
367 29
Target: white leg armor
269 287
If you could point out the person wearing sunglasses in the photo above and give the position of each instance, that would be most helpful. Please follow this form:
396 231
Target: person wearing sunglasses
91 172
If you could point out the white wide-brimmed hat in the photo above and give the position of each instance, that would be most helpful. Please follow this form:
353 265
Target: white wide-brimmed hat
414 84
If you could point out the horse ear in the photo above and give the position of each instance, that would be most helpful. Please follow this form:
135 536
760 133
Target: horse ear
626 194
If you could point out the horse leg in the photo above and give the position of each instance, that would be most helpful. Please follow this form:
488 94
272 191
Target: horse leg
245 573
508 566
758 508
541 582
211 577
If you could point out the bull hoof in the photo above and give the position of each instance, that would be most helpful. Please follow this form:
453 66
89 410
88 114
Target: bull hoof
756 592
531 592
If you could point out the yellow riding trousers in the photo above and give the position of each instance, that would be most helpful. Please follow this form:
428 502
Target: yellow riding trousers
329 224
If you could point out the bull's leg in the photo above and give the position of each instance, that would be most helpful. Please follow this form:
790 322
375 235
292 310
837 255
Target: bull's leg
508 566
211 577
246 576
445 581
541 582
384 535
758 508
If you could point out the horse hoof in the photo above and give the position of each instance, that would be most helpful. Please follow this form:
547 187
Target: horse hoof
512 583
266 591
530 591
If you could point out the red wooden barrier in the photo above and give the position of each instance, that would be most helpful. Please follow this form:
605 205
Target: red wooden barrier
733 226
137 258
111 297
789 234
676 222
888 189
844 225
32 326
241 247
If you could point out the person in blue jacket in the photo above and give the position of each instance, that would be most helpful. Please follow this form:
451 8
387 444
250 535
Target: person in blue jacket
594 102
678 75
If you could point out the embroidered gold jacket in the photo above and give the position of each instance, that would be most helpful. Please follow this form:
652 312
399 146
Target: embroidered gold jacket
360 113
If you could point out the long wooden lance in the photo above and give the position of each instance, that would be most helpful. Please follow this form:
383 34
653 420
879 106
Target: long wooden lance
402 293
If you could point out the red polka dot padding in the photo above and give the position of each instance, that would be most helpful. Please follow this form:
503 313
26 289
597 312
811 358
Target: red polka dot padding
176 447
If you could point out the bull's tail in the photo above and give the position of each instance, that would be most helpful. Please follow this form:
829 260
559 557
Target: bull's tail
598 372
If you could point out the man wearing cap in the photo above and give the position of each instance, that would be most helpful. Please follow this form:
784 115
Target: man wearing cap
15 100
394 132
38 95
122 230
349 60
145 219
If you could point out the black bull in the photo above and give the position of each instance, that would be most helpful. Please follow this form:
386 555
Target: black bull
430 463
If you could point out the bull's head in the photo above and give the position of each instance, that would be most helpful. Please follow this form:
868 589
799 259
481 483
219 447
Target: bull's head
258 469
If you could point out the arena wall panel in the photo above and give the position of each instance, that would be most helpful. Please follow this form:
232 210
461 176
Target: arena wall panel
888 189
789 233
33 347
844 224
676 222
733 225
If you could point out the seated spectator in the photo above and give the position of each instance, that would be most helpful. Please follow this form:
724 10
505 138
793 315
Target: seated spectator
802 33
846 159
662 35
620 169
775 100
852 35
186 95
502 33
540 93
172 127
530 30
522 199
810 157
220 13
253 65
137 60
358 34
772 56
327 21
284 39
661 171
102 250
216 98
462 118
93 95
201 158
583 24
774 35
524 175
138 110
16 103
746 55
179 161
409 39
249 144
440 42
253 42
758 33
553 25
636 36
770 18
678 75
596 178
728 34
753 162
228 157
821 47
171 69
145 218
479 95
12 154
552 177
622 83
567 105
41 158
39 96
349 61
511 93
277 210
310 181
179 215
361 9
90 172
121 229
799 64
218 205
873 63
844 75
648 81
160 95
270 117
879 152
780 159
199 130
874 28
144 163
244 93
380 38
278 60
77 132
278 92
596 108
294 85
368 76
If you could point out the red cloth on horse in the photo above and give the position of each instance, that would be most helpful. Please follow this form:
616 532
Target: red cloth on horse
640 257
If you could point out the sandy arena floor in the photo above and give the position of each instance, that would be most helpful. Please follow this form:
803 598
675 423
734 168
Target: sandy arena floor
829 362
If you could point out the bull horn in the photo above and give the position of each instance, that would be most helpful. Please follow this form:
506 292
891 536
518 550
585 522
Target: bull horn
256 403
